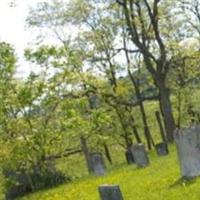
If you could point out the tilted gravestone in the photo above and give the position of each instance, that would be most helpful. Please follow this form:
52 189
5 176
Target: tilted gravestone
97 164
140 155
188 149
110 192
162 149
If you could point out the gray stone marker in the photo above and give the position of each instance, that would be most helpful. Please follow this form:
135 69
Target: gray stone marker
97 164
188 149
140 155
110 192
162 149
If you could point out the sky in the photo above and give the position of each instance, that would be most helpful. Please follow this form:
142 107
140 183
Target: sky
13 29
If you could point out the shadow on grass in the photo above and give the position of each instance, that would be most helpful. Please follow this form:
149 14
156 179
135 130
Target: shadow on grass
28 193
183 181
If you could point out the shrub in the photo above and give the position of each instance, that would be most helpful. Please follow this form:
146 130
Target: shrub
20 181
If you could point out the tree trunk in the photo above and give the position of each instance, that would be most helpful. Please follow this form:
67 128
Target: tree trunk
135 132
147 132
107 153
86 153
146 128
162 132
166 110
126 135
179 109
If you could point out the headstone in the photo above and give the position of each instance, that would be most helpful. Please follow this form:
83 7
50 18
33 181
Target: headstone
129 156
188 149
162 149
97 163
140 155
110 192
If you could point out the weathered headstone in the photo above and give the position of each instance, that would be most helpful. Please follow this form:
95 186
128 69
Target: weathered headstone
97 163
110 192
129 156
188 149
140 155
162 149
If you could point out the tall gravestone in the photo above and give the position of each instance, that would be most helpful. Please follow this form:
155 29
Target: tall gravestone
140 155
110 192
188 149
97 164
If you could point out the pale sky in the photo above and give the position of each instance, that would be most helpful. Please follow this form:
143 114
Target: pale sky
13 30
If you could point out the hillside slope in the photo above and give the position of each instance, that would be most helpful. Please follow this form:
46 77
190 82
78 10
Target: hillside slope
161 180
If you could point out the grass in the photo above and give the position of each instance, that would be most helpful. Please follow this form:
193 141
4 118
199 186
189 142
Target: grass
161 180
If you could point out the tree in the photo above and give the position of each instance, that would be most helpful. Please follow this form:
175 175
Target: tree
143 20
79 56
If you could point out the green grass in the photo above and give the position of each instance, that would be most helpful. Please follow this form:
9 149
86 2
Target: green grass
161 180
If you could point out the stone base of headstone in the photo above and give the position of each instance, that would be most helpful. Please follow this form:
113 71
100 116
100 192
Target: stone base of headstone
188 149
97 164
110 192
129 156
162 149
140 155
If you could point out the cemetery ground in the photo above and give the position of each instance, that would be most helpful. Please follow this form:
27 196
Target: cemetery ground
160 180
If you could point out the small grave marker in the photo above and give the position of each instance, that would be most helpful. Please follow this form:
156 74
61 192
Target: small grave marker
97 164
140 155
110 192
162 149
